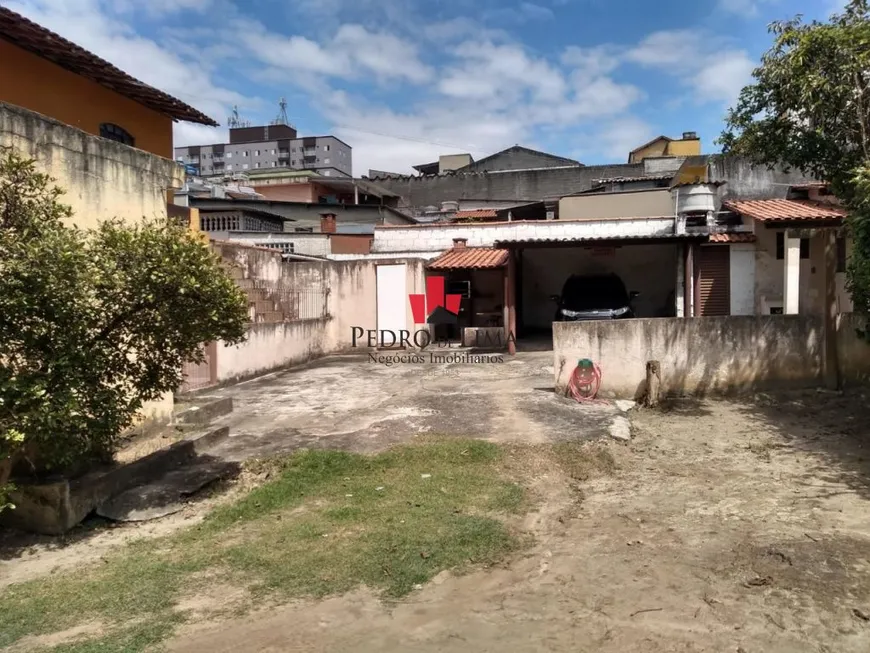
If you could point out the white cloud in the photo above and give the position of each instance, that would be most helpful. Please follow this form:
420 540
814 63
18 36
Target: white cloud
747 8
536 12
498 73
591 62
723 78
460 27
353 50
84 22
519 14
190 133
617 138
712 68
457 85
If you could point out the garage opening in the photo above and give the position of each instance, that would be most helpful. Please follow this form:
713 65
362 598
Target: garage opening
649 272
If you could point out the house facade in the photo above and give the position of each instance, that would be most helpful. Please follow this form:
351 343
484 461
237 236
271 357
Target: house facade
45 73
684 251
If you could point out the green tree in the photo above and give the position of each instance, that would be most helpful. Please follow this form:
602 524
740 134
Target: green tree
809 108
93 323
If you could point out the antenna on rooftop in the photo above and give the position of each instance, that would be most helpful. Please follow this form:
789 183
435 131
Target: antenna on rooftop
281 119
234 122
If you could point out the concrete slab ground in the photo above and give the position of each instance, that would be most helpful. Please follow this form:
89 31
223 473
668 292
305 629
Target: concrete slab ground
364 404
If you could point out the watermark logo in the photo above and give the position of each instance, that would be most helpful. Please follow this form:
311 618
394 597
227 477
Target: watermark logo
436 306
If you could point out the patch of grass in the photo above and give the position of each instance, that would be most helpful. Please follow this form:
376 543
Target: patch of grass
327 523
581 461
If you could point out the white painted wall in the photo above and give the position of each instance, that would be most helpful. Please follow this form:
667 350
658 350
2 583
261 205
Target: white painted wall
742 279
648 269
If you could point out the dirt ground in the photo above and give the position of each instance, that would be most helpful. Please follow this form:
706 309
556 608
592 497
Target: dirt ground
729 526
340 402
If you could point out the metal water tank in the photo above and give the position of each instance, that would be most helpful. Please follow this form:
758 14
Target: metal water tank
696 198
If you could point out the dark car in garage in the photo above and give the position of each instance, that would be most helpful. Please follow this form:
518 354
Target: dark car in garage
594 297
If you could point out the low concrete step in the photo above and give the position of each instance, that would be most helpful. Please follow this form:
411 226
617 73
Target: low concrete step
203 410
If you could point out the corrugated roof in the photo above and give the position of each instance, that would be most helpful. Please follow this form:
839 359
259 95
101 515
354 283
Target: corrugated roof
470 257
475 213
613 180
732 238
614 239
35 38
778 209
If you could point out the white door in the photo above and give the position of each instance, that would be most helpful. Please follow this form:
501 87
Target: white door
392 299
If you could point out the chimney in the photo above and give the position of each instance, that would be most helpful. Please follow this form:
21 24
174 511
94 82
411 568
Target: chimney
460 243
327 223
690 136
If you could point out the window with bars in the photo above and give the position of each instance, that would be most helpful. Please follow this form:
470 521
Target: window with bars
115 133
284 248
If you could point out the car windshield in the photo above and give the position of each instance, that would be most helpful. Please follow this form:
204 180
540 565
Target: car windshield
592 293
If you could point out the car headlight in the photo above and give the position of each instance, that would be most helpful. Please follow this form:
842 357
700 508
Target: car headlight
620 311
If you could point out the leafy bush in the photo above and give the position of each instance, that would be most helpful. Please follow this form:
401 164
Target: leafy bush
93 323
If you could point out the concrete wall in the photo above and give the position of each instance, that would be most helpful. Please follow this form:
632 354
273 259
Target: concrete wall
518 159
29 81
103 179
744 180
697 356
747 181
627 204
648 269
532 185
448 162
853 349
351 300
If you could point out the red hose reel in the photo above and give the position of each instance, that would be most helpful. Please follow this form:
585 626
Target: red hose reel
585 381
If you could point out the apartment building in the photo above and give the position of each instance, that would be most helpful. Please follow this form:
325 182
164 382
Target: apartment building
268 146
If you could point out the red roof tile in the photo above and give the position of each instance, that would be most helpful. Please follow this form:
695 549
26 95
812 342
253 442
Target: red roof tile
475 214
764 210
470 257
732 238
42 42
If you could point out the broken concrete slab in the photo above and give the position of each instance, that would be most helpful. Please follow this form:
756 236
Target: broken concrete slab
624 405
55 506
165 495
620 428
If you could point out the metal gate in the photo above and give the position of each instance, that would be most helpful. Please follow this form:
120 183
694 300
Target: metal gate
713 280
201 375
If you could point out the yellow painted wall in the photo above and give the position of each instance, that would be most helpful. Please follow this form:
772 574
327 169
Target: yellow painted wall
102 179
685 148
656 148
664 147
34 83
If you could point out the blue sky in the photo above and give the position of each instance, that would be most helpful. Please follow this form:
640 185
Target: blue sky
405 80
